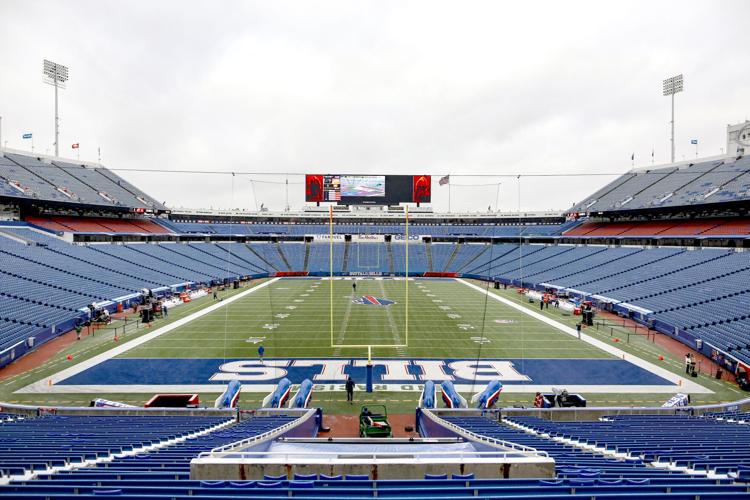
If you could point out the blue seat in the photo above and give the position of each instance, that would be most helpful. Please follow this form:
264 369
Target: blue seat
269 484
242 484
465 477
213 484
305 477
280 477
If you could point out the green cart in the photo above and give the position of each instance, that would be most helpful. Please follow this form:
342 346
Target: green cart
373 422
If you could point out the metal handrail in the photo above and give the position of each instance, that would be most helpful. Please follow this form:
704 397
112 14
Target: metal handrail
481 438
624 409
370 455
266 435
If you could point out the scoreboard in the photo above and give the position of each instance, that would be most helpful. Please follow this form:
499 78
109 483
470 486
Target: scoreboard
348 189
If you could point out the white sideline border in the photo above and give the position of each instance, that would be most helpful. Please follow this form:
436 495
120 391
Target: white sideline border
681 384
43 386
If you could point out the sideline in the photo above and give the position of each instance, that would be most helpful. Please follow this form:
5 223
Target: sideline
44 385
681 383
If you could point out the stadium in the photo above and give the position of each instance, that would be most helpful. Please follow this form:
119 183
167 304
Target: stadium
363 337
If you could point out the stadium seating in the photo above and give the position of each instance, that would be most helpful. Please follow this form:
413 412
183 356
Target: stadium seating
442 255
673 442
417 258
38 444
97 225
662 229
319 258
640 453
349 489
117 447
716 181
368 257
28 177
130 466
570 462
46 280
702 292
458 230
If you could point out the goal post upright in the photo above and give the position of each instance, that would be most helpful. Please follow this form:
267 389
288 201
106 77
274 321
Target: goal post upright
406 278
330 262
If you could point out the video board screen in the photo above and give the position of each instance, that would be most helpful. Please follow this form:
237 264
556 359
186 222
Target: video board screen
368 189
354 186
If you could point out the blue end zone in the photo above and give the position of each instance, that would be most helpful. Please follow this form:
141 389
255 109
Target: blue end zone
562 372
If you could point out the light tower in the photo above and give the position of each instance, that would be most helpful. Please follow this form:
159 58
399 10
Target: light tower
670 87
55 75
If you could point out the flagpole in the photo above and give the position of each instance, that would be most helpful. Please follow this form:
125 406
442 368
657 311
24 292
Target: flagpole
449 193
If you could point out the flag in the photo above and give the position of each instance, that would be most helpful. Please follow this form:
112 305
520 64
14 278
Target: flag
75 146
694 141
445 180
26 136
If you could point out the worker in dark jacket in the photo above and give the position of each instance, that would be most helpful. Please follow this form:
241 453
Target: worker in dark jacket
350 390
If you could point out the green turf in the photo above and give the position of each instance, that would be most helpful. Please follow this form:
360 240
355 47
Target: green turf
304 331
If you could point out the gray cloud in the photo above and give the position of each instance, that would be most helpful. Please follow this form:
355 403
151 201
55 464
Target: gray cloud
370 87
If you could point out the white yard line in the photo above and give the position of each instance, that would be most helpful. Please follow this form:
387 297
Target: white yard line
344 327
127 346
681 384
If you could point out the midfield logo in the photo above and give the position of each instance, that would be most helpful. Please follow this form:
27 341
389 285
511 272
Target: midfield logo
369 300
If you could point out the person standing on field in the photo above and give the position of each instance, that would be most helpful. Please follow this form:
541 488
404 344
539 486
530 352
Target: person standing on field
350 390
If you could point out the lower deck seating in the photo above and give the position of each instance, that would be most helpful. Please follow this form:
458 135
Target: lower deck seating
36 444
682 442
704 292
42 443
45 280
164 473
350 489
571 462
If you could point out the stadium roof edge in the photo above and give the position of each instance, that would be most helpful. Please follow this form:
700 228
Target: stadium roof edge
51 158
678 164
364 215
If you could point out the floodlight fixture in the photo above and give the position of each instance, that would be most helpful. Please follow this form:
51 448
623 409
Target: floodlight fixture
670 87
55 75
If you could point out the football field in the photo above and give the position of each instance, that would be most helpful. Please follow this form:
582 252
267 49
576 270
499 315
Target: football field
292 318
321 329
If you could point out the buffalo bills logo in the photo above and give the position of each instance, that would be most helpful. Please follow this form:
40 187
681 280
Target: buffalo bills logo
369 300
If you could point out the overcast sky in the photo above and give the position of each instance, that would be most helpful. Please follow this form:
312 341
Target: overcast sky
374 87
